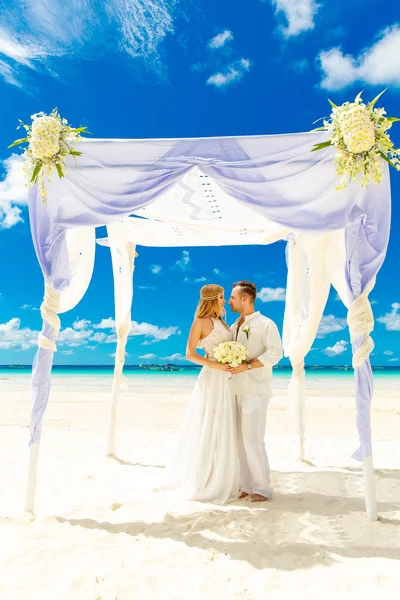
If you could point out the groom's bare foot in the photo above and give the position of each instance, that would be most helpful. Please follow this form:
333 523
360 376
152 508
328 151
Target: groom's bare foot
258 498
242 495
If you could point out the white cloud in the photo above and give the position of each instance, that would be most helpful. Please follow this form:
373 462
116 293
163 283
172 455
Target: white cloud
67 352
375 65
174 357
299 15
82 333
149 356
267 294
184 263
300 66
393 359
218 272
337 349
12 336
232 74
221 39
330 324
36 32
108 323
153 331
388 353
146 287
12 192
81 324
156 269
195 280
391 320
29 307
114 354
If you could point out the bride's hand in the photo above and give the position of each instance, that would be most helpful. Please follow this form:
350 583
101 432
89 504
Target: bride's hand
221 367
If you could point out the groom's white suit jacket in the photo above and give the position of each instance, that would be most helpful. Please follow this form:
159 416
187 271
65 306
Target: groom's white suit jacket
263 341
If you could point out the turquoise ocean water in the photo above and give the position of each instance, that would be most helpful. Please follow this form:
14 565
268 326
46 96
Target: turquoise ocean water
338 377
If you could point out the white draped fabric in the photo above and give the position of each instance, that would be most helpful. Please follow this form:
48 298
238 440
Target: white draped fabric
214 192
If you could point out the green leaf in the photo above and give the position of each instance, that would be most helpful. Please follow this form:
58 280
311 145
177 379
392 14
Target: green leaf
35 173
392 119
332 103
320 119
75 153
18 142
78 129
60 170
358 96
321 146
386 158
319 129
375 100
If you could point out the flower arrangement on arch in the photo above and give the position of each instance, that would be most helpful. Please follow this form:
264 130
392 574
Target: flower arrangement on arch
50 140
361 140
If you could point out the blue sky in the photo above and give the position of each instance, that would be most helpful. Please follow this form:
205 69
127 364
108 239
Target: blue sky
139 68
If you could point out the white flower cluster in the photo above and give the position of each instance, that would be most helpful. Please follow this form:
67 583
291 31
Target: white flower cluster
50 140
230 353
45 137
357 128
359 135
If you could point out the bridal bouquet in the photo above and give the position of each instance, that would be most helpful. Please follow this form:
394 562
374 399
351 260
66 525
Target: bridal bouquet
230 353
50 139
361 140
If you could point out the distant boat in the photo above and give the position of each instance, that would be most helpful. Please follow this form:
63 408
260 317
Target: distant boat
168 367
15 366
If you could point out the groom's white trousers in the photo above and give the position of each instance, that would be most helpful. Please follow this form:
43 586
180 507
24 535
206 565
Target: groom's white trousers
253 459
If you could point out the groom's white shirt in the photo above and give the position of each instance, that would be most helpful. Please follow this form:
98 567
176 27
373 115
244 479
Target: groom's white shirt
263 342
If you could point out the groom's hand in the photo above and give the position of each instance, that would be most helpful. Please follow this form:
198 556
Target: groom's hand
239 369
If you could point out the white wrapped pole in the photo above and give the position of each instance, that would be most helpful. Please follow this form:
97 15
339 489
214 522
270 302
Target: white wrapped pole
123 257
306 295
369 489
297 392
50 308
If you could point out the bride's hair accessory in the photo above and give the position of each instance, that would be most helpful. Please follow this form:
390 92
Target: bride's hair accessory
210 297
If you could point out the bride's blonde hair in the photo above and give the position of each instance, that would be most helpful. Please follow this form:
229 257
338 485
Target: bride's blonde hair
209 305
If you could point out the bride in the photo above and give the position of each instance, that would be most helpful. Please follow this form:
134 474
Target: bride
204 465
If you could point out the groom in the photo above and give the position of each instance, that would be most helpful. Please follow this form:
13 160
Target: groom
253 389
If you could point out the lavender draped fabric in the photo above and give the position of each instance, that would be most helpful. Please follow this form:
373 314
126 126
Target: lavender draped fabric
275 176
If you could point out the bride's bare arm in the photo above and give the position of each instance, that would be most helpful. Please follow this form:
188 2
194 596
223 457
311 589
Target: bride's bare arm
195 335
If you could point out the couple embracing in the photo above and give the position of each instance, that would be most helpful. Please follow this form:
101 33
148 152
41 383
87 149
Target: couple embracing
220 455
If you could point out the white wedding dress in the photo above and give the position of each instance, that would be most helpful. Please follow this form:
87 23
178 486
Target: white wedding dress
204 465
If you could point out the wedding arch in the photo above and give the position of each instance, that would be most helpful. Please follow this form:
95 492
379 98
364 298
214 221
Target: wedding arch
214 192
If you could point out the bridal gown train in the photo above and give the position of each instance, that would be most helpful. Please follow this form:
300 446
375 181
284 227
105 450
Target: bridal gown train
205 465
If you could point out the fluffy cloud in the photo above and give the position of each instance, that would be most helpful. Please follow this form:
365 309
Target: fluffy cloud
233 73
388 353
221 39
156 269
375 65
393 359
184 263
12 336
298 14
36 33
82 333
174 357
12 192
267 294
330 324
149 356
337 349
391 320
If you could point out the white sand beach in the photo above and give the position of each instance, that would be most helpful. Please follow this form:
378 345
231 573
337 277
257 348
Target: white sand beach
101 533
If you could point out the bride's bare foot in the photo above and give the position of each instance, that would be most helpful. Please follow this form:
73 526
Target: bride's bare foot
242 495
258 498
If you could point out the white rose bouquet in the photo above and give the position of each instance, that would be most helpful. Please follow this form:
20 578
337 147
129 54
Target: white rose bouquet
50 139
359 133
230 353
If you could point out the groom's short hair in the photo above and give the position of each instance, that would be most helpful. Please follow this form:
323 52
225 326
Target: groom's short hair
247 288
